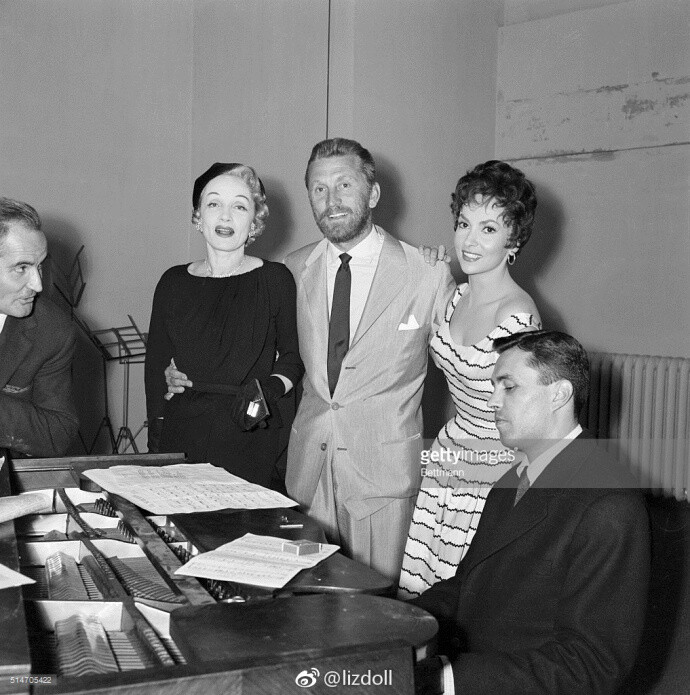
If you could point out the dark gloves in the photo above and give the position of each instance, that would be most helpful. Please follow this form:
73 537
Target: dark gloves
272 388
155 431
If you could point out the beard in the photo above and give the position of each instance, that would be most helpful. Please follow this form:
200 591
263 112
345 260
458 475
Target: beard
343 230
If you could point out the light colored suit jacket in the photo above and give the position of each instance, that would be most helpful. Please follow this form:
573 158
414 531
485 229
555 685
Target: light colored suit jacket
373 422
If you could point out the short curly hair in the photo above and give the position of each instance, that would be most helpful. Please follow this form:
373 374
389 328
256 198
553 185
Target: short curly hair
251 178
509 188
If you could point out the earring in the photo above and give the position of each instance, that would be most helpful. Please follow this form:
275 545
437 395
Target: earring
511 257
197 224
253 227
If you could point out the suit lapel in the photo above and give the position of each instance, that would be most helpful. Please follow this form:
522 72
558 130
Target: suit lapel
316 294
388 282
502 522
17 342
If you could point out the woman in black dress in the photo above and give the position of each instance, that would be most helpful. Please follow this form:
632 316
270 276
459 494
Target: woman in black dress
223 321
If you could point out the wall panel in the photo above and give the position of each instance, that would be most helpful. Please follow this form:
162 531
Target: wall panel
594 106
618 77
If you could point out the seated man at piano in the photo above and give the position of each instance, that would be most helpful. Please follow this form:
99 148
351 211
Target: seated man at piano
37 414
550 598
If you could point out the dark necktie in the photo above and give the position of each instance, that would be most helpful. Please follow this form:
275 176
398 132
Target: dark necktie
523 486
339 326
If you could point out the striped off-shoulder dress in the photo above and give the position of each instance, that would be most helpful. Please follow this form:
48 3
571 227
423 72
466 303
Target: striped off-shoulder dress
466 459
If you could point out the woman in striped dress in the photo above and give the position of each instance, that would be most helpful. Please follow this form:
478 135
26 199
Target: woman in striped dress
493 207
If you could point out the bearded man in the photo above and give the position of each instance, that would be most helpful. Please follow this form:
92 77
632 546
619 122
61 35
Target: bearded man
367 306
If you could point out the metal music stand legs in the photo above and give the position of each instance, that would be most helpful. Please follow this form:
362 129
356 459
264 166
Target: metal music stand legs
124 435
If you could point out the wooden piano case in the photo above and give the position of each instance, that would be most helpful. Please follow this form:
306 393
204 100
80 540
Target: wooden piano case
107 613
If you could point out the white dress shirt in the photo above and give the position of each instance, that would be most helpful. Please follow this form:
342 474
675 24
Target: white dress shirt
365 258
2 321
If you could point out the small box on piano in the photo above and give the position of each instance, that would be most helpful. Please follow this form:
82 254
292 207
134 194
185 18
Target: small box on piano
301 547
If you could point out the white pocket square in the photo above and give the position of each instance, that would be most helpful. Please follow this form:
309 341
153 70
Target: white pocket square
411 324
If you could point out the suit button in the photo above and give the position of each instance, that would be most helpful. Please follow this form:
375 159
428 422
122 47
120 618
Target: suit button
335 406
324 447
455 642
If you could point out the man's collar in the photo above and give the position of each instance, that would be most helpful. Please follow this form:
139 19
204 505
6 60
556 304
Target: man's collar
2 321
536 468
369 246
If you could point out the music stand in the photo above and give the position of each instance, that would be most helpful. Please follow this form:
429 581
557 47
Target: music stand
127 345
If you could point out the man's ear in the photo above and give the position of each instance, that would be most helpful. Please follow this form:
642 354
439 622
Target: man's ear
562 393
374 195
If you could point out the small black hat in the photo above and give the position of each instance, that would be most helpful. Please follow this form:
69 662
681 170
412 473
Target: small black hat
216 170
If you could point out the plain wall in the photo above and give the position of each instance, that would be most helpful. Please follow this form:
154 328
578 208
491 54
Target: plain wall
517 11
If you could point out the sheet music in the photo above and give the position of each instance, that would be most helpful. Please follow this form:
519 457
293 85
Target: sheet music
185 487
252 559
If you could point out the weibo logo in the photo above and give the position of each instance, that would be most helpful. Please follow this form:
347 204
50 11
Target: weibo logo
305 679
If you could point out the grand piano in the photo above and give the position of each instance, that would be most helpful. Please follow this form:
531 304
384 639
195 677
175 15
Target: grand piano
108 614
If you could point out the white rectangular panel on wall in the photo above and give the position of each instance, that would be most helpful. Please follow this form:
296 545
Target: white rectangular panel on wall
614 77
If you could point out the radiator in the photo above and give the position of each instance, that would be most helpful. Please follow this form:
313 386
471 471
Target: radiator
639 405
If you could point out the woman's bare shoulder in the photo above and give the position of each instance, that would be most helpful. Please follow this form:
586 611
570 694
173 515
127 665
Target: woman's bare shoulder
517 302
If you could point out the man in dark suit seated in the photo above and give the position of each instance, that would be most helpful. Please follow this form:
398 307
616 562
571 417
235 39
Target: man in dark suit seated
551 595
37 415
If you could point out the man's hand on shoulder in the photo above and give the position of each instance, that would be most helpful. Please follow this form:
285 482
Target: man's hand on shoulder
434 254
